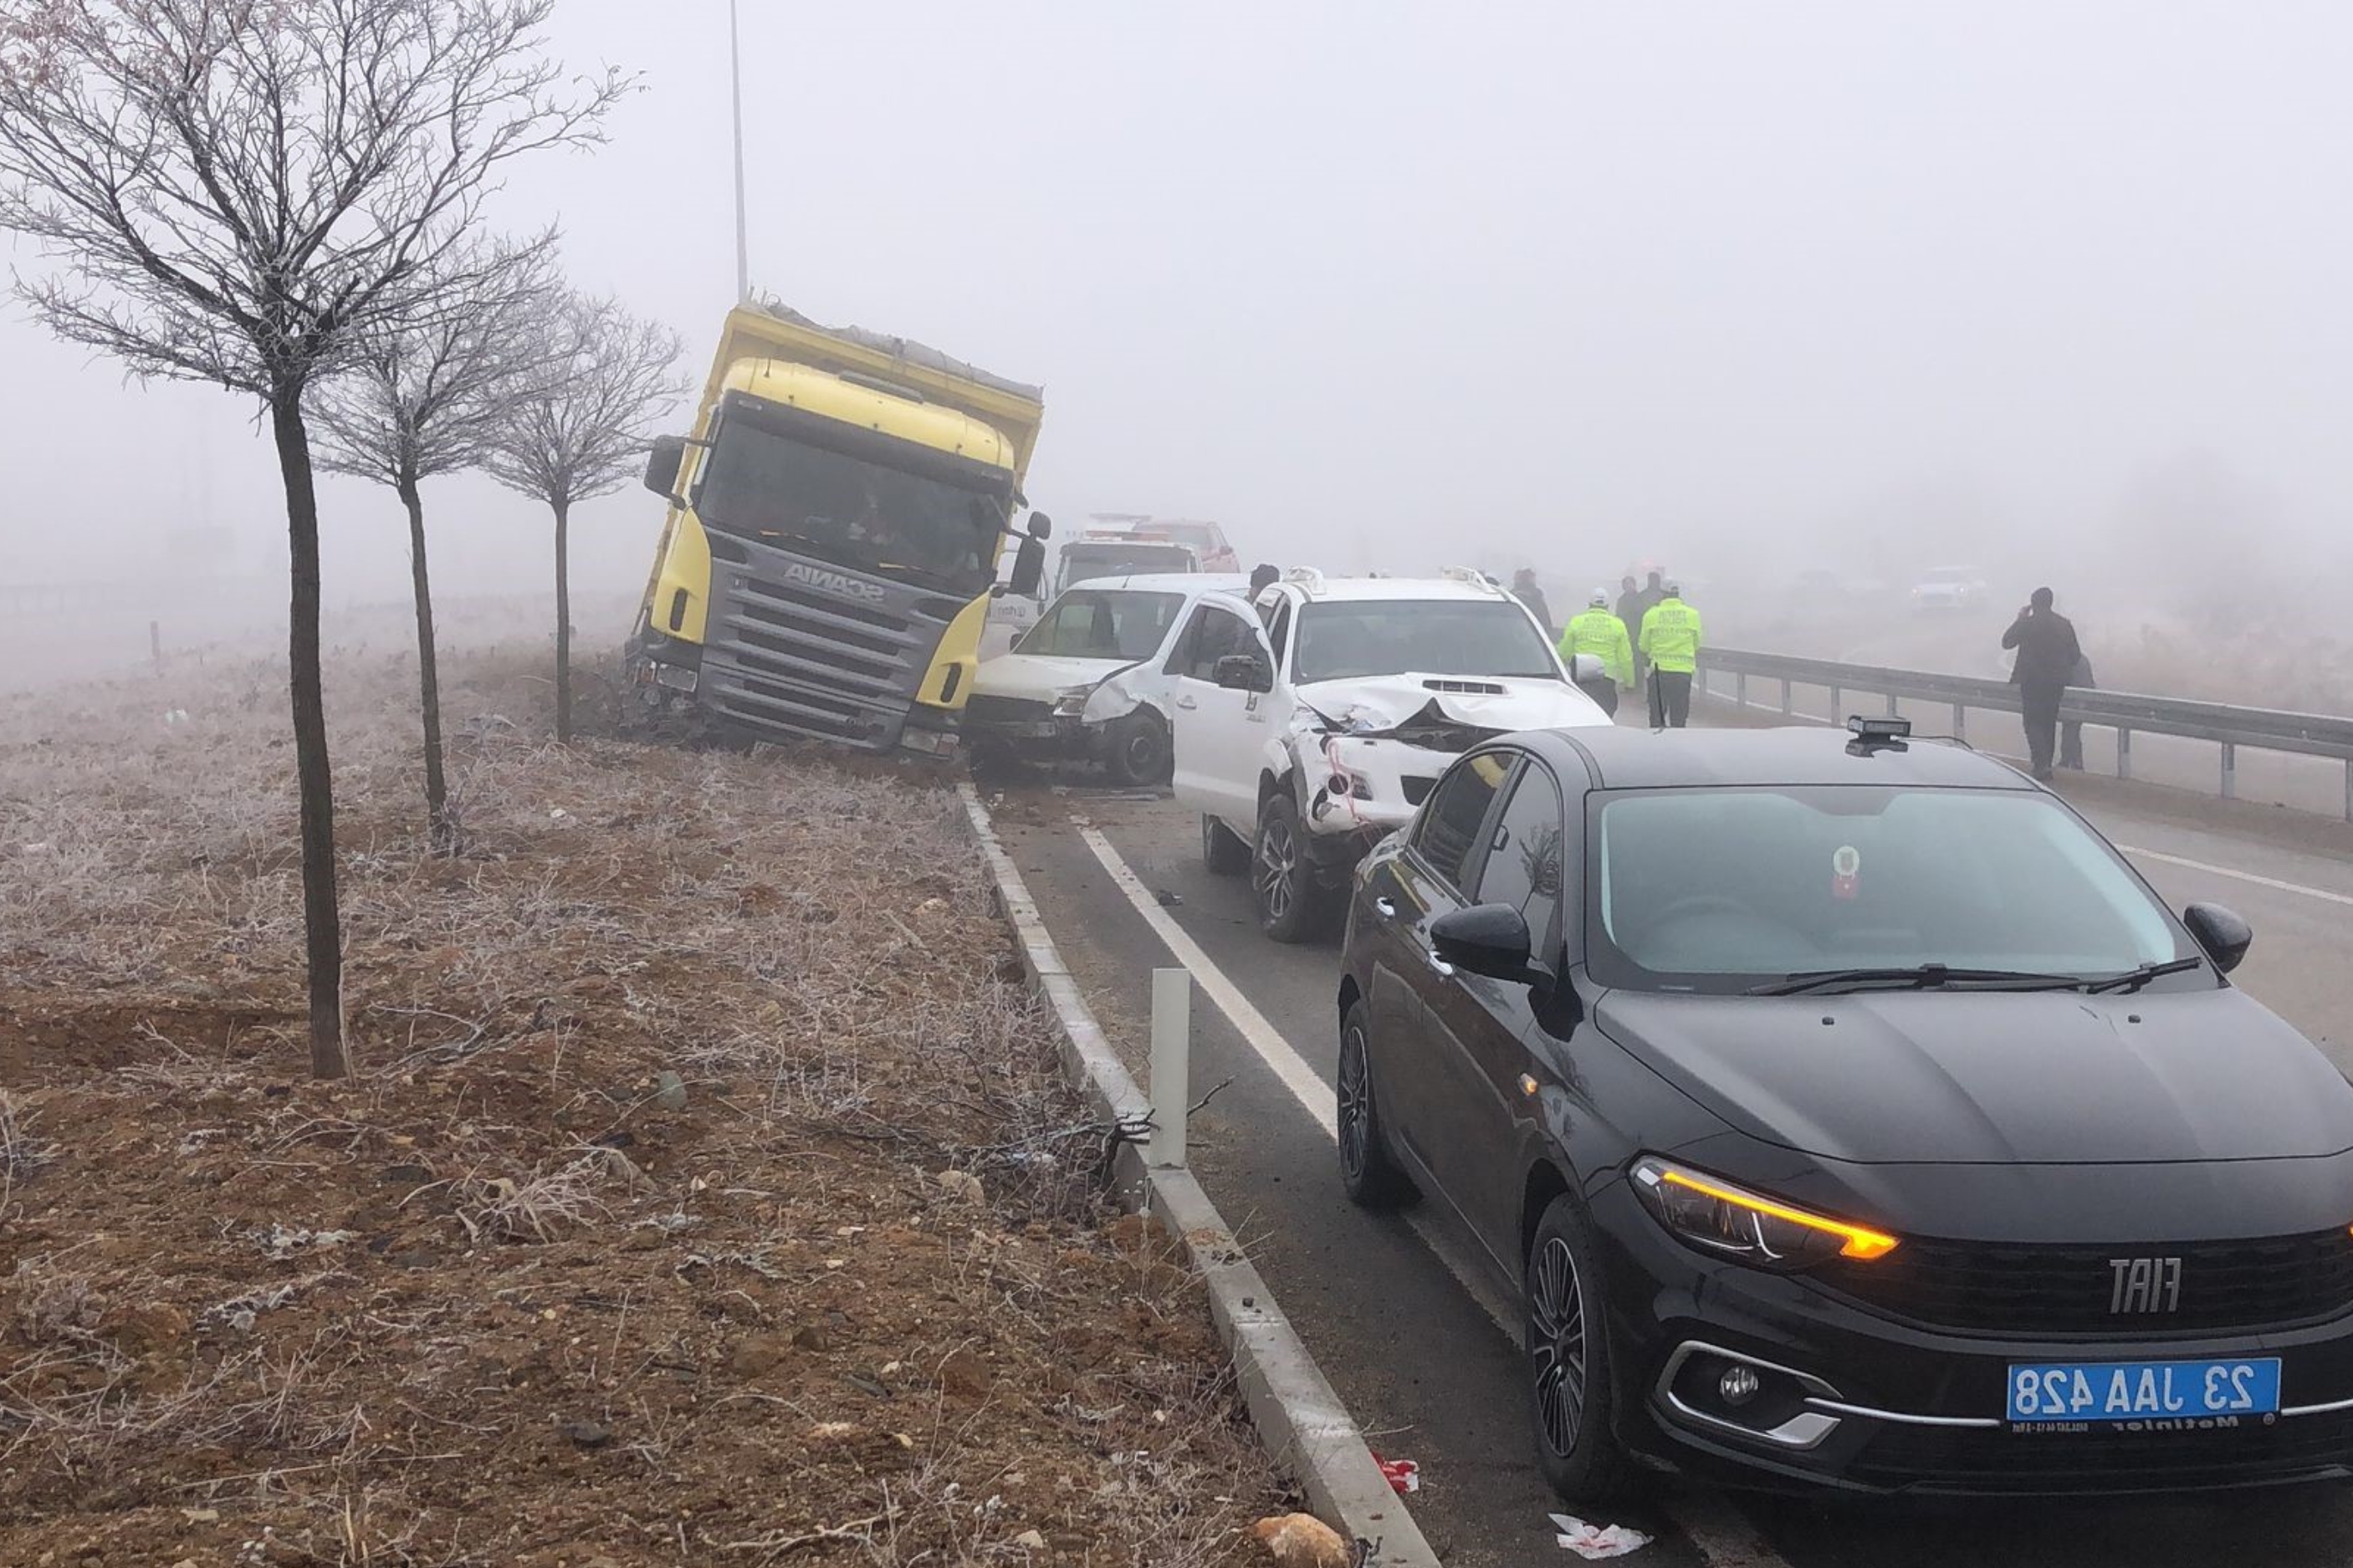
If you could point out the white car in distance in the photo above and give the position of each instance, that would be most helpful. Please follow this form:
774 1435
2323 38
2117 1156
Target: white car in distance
1312 724
1089 682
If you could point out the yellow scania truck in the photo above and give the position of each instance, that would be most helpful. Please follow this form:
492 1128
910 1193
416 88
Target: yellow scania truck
835 526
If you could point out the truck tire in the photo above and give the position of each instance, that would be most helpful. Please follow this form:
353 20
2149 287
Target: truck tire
1292 904
1136 751
1225 852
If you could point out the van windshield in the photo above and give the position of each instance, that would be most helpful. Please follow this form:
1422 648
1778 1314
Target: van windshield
1103 623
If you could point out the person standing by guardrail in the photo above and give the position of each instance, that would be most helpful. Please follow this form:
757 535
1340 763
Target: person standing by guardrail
1598 631
1671 637
2071 734
2047 652
1630 605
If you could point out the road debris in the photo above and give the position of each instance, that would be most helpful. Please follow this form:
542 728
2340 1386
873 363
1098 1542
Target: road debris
1404 1475
1302 1540
1594 1542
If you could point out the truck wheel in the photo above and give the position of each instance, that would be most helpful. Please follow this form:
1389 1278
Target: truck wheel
1136 751
1367 1171
1223 850
1293 906
1570 1393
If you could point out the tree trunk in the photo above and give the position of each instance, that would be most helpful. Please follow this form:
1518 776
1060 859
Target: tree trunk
314 777
562 623
437 826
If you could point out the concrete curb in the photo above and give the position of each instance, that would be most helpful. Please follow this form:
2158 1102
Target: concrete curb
1299 1418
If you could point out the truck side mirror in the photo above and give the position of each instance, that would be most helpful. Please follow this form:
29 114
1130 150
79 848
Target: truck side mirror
663 460
1029 568
1041 527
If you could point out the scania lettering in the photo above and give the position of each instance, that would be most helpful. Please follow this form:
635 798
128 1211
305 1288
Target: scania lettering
836 522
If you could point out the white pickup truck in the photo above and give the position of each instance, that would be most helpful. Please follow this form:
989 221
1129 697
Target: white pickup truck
1311 724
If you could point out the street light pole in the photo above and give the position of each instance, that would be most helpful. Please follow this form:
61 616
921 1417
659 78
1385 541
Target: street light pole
742 246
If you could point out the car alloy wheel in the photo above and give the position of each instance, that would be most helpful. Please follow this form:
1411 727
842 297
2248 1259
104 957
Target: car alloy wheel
1355 1103
1556 1345
1277 871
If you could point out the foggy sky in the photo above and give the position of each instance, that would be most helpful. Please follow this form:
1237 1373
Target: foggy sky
1729 283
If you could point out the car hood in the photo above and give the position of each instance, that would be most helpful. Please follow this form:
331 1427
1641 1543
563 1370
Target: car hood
1369 704
1039 677
2007 1078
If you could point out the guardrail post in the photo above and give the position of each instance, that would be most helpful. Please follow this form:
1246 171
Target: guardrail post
1785 695
1960 723
1893 710
1834 704
2230 771
2124 752
1172 1041
2348 789
1740 688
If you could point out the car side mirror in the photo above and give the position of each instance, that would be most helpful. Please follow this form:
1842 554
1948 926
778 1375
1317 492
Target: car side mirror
1485 939
1028 569
1041 527
1244 672
663 460
2223 935
1587 670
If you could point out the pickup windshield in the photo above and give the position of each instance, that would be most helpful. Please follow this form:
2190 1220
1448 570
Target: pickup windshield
1103 623
1340 640
1084 562
759 484
1850 888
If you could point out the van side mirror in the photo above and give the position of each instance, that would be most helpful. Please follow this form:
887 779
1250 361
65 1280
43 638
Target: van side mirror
663 460
1041 527
1029 568
1485 939
2223 935
1244 672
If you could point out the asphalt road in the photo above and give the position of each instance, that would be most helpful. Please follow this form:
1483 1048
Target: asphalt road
1418 1353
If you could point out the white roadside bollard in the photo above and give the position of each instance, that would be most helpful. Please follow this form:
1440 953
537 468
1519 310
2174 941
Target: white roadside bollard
1172 1043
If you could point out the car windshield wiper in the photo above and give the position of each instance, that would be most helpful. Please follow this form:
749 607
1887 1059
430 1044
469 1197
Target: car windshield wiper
1920 977
2134 979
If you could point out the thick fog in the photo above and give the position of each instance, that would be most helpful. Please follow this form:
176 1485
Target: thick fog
2055 290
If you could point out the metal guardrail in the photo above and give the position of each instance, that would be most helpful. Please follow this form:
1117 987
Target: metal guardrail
2126 712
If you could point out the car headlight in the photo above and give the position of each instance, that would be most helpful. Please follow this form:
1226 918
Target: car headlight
1718 1217
1070 704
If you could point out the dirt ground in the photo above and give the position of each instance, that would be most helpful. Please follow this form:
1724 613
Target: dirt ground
704 1194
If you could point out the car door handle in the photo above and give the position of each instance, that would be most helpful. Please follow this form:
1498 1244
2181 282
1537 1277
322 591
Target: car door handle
1445 969
1186 703
1388 907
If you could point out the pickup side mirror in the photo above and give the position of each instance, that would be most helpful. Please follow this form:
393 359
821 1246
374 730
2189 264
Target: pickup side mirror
663 460
1244 672
1485 939
1041 527
1029 568
1587 670
2223 935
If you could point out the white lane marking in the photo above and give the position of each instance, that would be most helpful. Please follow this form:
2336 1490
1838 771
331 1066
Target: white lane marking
2215 871
1721 1536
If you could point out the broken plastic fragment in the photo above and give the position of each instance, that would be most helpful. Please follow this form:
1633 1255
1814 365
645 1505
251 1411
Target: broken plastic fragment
1404 1475
1596 1541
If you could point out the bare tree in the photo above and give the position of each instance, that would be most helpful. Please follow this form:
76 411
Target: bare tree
587 435
425 398
235 191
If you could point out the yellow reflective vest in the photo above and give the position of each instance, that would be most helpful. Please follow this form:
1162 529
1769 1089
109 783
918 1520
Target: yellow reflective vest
1602 635
1671 637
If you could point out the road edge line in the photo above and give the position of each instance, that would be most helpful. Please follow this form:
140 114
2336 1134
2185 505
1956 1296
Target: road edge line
1299 1420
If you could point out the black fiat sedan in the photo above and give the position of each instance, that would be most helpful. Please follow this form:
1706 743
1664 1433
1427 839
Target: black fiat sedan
1847 1112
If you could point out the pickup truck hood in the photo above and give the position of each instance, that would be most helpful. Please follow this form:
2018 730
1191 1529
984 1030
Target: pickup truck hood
1039 677
1371 704
1996 1077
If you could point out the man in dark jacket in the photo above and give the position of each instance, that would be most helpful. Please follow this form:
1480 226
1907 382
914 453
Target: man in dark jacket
1633 604
2047 652
2071 734
1525 589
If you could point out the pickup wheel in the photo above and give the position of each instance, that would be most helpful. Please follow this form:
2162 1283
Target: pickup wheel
1136 751
1292 905
1223 850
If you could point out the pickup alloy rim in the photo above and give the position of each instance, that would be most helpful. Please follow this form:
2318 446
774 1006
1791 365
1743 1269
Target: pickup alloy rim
1278 862
1353 1096
1556 1344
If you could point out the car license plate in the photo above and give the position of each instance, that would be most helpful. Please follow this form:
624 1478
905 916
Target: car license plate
2143 1390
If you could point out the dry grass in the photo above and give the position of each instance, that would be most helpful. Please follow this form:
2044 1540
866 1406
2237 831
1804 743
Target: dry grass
629 1241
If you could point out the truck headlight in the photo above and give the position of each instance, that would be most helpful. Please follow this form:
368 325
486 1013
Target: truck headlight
1716 1216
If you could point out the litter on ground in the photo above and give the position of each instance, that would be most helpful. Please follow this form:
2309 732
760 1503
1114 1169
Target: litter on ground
1594 1542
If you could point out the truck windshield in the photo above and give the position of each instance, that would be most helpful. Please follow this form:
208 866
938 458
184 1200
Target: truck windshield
1103 623
1340 640
758 484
